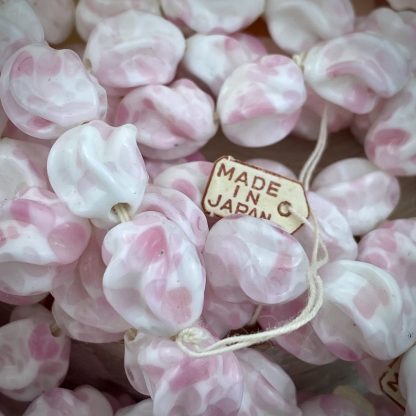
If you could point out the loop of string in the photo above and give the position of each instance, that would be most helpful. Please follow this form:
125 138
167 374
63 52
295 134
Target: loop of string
194 336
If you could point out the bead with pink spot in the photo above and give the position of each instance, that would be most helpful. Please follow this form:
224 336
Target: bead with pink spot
45 91
260 102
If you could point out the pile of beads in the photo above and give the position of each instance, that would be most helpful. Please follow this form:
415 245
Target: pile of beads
103 236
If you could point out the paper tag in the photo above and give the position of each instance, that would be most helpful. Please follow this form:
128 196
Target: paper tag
389 383
235 187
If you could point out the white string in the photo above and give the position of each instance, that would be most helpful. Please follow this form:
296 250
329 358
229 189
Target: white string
299 59
311 164
122 212
194 336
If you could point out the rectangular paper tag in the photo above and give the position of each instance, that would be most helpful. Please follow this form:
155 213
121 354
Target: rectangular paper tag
389 383
235 187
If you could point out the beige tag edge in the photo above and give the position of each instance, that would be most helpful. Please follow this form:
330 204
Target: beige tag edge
386 373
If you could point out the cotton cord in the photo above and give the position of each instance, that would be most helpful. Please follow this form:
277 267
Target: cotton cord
311 164
122 212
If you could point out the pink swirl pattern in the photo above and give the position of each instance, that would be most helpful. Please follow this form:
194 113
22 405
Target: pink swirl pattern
393 26
45 91
189 178
32 359
91 12
334 230
260 102
22 165
212 58
181 385
19 26
207 16
220 316
178 208
302 343
363 194
297 25
37 228
82 298
169 295
390 142
172 121
80 331
354 71
252 260
268 390
309 122
152 49
364 313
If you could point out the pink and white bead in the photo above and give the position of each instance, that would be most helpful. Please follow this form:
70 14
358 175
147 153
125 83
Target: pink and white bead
178 208
22 165
83 401
189 178
354 71
186 386
392 247
393 26
268 390
91 12
152 49
38 229
260 102
252 260
220 316
364 314
207 16
309 123
363 194
212 58
303 343
334 230
298 25
331 404
94 167
19 26
45 92
172 121
79 331
169 295
82 297
390 142
57 18
33 359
